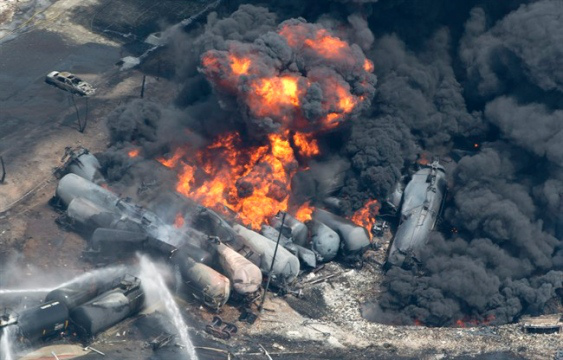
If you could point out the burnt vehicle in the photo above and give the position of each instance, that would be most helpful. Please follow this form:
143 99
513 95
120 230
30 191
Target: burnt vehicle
423 199
69 82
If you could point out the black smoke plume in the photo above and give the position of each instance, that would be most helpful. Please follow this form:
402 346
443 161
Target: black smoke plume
450 75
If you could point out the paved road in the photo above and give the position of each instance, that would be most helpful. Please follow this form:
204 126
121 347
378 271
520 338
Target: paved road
27 104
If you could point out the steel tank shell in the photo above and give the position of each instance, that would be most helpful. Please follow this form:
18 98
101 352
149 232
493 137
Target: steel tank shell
292 228
86 166
72 186
206 284
325 241
43 321
306 256
90 215
116 241
286 265
245 277
78 293
422 200
353 238
209 222
106 310
197 254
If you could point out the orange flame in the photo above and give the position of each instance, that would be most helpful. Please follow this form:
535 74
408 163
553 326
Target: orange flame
179 221
327 46
305 212
133 153
269 91
306 144
239 66
255 180
423 158
252 181
170 163
365 216
274 96
465 322
368 65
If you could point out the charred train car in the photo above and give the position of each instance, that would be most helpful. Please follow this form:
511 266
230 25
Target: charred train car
86 308
423 199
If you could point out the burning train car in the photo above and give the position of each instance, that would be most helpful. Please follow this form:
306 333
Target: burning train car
423 199
211 255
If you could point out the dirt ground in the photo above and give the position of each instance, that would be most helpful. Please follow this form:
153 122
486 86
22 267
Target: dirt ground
37 122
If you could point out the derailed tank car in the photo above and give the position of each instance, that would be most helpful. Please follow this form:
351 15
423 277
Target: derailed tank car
354 239
109 308
41 322
206 284
422 200
245 277
79 292
286 266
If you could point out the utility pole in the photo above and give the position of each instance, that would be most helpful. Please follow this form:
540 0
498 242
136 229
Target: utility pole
261 307
143 86
3 170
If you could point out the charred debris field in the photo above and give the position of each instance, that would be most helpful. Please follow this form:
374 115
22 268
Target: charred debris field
345 179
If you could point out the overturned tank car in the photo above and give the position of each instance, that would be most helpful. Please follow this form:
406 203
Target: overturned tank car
422 201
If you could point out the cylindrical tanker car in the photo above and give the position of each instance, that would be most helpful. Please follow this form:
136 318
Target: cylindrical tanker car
109 308
245 277
41 322
354 239
206 284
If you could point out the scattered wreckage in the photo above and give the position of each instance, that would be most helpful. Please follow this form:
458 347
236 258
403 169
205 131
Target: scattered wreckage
69 82
211 254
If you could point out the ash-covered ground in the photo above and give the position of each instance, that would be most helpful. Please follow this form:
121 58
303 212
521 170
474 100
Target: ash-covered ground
417 84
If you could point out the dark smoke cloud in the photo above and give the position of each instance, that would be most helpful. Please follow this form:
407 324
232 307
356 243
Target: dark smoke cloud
525 46
533 127
507 199
418 104
448 72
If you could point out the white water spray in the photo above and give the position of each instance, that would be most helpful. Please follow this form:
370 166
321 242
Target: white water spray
154 286
113 271
6 343
24 291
